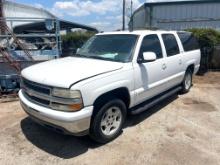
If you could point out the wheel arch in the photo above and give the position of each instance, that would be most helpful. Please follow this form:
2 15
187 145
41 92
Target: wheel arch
120 93
191 67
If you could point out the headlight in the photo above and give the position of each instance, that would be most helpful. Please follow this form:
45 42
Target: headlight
69 100
66 93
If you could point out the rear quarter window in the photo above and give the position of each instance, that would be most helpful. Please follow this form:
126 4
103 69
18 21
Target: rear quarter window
189 42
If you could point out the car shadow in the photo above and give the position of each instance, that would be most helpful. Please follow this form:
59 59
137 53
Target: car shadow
60 145
66 146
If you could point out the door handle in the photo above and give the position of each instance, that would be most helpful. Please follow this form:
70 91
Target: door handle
180 62
164 66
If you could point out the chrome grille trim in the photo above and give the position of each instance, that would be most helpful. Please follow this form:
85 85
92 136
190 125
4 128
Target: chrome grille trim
36 94
36 100
48 97
36 87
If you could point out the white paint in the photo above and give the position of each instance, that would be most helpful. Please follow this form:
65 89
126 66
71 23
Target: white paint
143 81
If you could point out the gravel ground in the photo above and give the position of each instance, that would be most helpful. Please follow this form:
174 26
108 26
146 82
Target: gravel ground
183 129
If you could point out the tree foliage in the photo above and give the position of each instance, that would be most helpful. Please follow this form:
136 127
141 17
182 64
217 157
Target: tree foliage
206 37
77 38
73 40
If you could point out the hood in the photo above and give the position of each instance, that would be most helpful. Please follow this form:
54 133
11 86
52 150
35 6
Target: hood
67 71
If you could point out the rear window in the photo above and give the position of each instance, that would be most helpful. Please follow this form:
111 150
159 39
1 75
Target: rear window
171 45
189 41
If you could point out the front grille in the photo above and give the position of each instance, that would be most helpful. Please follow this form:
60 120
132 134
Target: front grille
36 87
37 93
37 100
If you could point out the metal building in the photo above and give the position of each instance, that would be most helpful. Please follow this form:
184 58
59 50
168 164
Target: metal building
177 15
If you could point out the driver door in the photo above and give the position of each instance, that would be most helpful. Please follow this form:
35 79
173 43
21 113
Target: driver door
150 76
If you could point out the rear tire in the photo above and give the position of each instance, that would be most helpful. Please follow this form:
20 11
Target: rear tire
187 81
107 122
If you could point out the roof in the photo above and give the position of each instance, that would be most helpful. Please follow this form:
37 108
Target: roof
177 2
40 26
25 6
181 2
136 32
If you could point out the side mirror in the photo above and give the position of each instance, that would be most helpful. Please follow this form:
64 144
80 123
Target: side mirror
149 56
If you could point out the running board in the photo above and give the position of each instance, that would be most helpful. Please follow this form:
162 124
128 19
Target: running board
150 103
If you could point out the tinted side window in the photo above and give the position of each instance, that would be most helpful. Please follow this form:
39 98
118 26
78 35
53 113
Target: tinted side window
171 45
189 41
151 43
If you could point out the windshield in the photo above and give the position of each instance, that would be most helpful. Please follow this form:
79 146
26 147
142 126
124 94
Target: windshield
117 48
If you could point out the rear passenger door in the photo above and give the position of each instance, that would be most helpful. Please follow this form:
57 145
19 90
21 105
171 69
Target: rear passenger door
173 61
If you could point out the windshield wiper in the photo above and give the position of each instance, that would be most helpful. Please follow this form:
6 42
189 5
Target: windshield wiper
97 57
87 56
80 55
94 57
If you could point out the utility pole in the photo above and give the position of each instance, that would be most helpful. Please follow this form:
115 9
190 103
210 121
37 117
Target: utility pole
131 18
123 16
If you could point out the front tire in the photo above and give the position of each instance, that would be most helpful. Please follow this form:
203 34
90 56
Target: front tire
187 82
107 122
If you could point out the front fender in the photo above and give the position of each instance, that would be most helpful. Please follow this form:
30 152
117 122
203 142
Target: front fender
92 88
89 96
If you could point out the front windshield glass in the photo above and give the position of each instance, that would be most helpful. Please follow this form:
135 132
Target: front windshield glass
117 48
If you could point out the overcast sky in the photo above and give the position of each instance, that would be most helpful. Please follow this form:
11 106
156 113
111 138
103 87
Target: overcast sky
105 15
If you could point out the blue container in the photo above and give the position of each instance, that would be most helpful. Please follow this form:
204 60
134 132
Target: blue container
9 83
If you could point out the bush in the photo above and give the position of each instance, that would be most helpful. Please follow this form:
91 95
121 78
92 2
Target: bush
73 40
208 40
206 37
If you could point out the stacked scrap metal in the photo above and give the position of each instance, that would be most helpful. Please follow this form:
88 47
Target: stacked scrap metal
25 41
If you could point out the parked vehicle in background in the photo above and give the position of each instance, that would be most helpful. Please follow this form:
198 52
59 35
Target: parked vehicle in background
112 75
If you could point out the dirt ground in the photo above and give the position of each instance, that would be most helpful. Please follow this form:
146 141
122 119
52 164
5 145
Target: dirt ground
182 130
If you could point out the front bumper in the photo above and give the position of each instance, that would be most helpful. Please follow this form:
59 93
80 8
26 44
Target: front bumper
69 122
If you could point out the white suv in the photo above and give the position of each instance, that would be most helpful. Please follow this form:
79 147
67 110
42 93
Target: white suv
111 75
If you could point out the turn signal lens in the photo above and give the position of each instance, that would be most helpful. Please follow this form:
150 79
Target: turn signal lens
67 108
75 107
